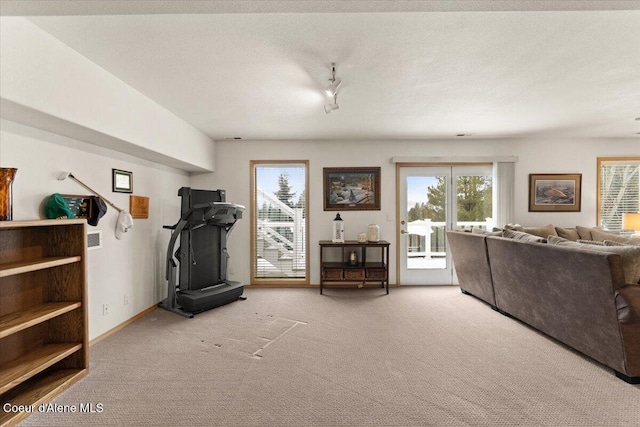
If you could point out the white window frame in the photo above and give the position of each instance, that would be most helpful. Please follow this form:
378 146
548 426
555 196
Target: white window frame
279 281
600 162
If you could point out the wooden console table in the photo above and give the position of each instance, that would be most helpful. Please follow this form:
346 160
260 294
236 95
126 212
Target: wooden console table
363 271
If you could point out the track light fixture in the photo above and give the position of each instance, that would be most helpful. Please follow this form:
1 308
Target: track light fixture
332 90
330 107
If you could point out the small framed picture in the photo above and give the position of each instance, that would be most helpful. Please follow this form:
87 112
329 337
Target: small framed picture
554 192
348 189
122 181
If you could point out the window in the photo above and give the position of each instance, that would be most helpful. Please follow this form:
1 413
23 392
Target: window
279 222
618 189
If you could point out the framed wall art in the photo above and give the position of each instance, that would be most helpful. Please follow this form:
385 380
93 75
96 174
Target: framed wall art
122 181
351 188
555 192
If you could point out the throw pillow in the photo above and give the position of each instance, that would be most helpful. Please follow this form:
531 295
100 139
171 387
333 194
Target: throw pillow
607 235
585 232
522 236
516 227
486 232
603 235
612 243
544 231
561 241
591 242
568 233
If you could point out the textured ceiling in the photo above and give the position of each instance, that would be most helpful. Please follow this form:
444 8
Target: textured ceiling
409 69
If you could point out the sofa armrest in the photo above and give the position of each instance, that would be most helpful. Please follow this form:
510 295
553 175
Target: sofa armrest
628 304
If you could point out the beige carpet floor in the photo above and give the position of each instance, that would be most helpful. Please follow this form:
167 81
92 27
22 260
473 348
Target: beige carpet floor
420 356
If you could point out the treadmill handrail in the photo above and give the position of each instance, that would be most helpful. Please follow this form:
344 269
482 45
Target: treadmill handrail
187 215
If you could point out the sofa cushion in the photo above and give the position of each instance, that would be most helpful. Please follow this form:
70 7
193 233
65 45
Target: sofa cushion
568 233
522 236
630 255
585 232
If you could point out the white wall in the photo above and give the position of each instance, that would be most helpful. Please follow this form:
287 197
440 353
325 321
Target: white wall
46 84
535 156
134 265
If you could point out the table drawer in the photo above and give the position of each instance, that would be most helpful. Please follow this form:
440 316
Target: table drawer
354 274
376 274
332 273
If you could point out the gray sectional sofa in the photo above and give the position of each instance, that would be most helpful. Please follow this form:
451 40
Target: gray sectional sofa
576 295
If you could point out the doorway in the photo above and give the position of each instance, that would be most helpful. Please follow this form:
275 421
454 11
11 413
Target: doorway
432 200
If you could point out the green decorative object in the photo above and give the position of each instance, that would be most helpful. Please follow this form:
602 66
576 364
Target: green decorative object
56 207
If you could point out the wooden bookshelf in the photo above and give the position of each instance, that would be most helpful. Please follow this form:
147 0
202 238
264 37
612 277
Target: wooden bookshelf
43 311
11 268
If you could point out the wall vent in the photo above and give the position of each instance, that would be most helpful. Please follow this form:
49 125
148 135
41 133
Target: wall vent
94 239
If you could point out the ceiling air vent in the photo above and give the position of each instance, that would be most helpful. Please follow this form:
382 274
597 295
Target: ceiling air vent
94 239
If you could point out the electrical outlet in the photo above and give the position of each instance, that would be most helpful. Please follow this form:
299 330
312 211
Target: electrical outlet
105 309
126 299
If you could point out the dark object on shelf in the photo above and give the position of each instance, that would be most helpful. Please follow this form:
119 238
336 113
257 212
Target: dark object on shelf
353 258
205 223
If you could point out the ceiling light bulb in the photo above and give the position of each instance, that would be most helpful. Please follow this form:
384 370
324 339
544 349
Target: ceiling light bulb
330 107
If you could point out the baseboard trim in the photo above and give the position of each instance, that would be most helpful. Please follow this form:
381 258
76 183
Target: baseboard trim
122 325
627 379
336 285
280 285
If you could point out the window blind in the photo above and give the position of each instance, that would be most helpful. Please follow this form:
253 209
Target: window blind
280 215
619 190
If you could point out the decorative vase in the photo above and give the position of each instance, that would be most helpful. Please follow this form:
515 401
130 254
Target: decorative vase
373 231
6 198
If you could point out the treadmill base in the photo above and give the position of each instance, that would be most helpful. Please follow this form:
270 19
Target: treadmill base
196 301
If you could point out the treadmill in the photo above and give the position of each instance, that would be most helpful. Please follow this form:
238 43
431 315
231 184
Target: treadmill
197 271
